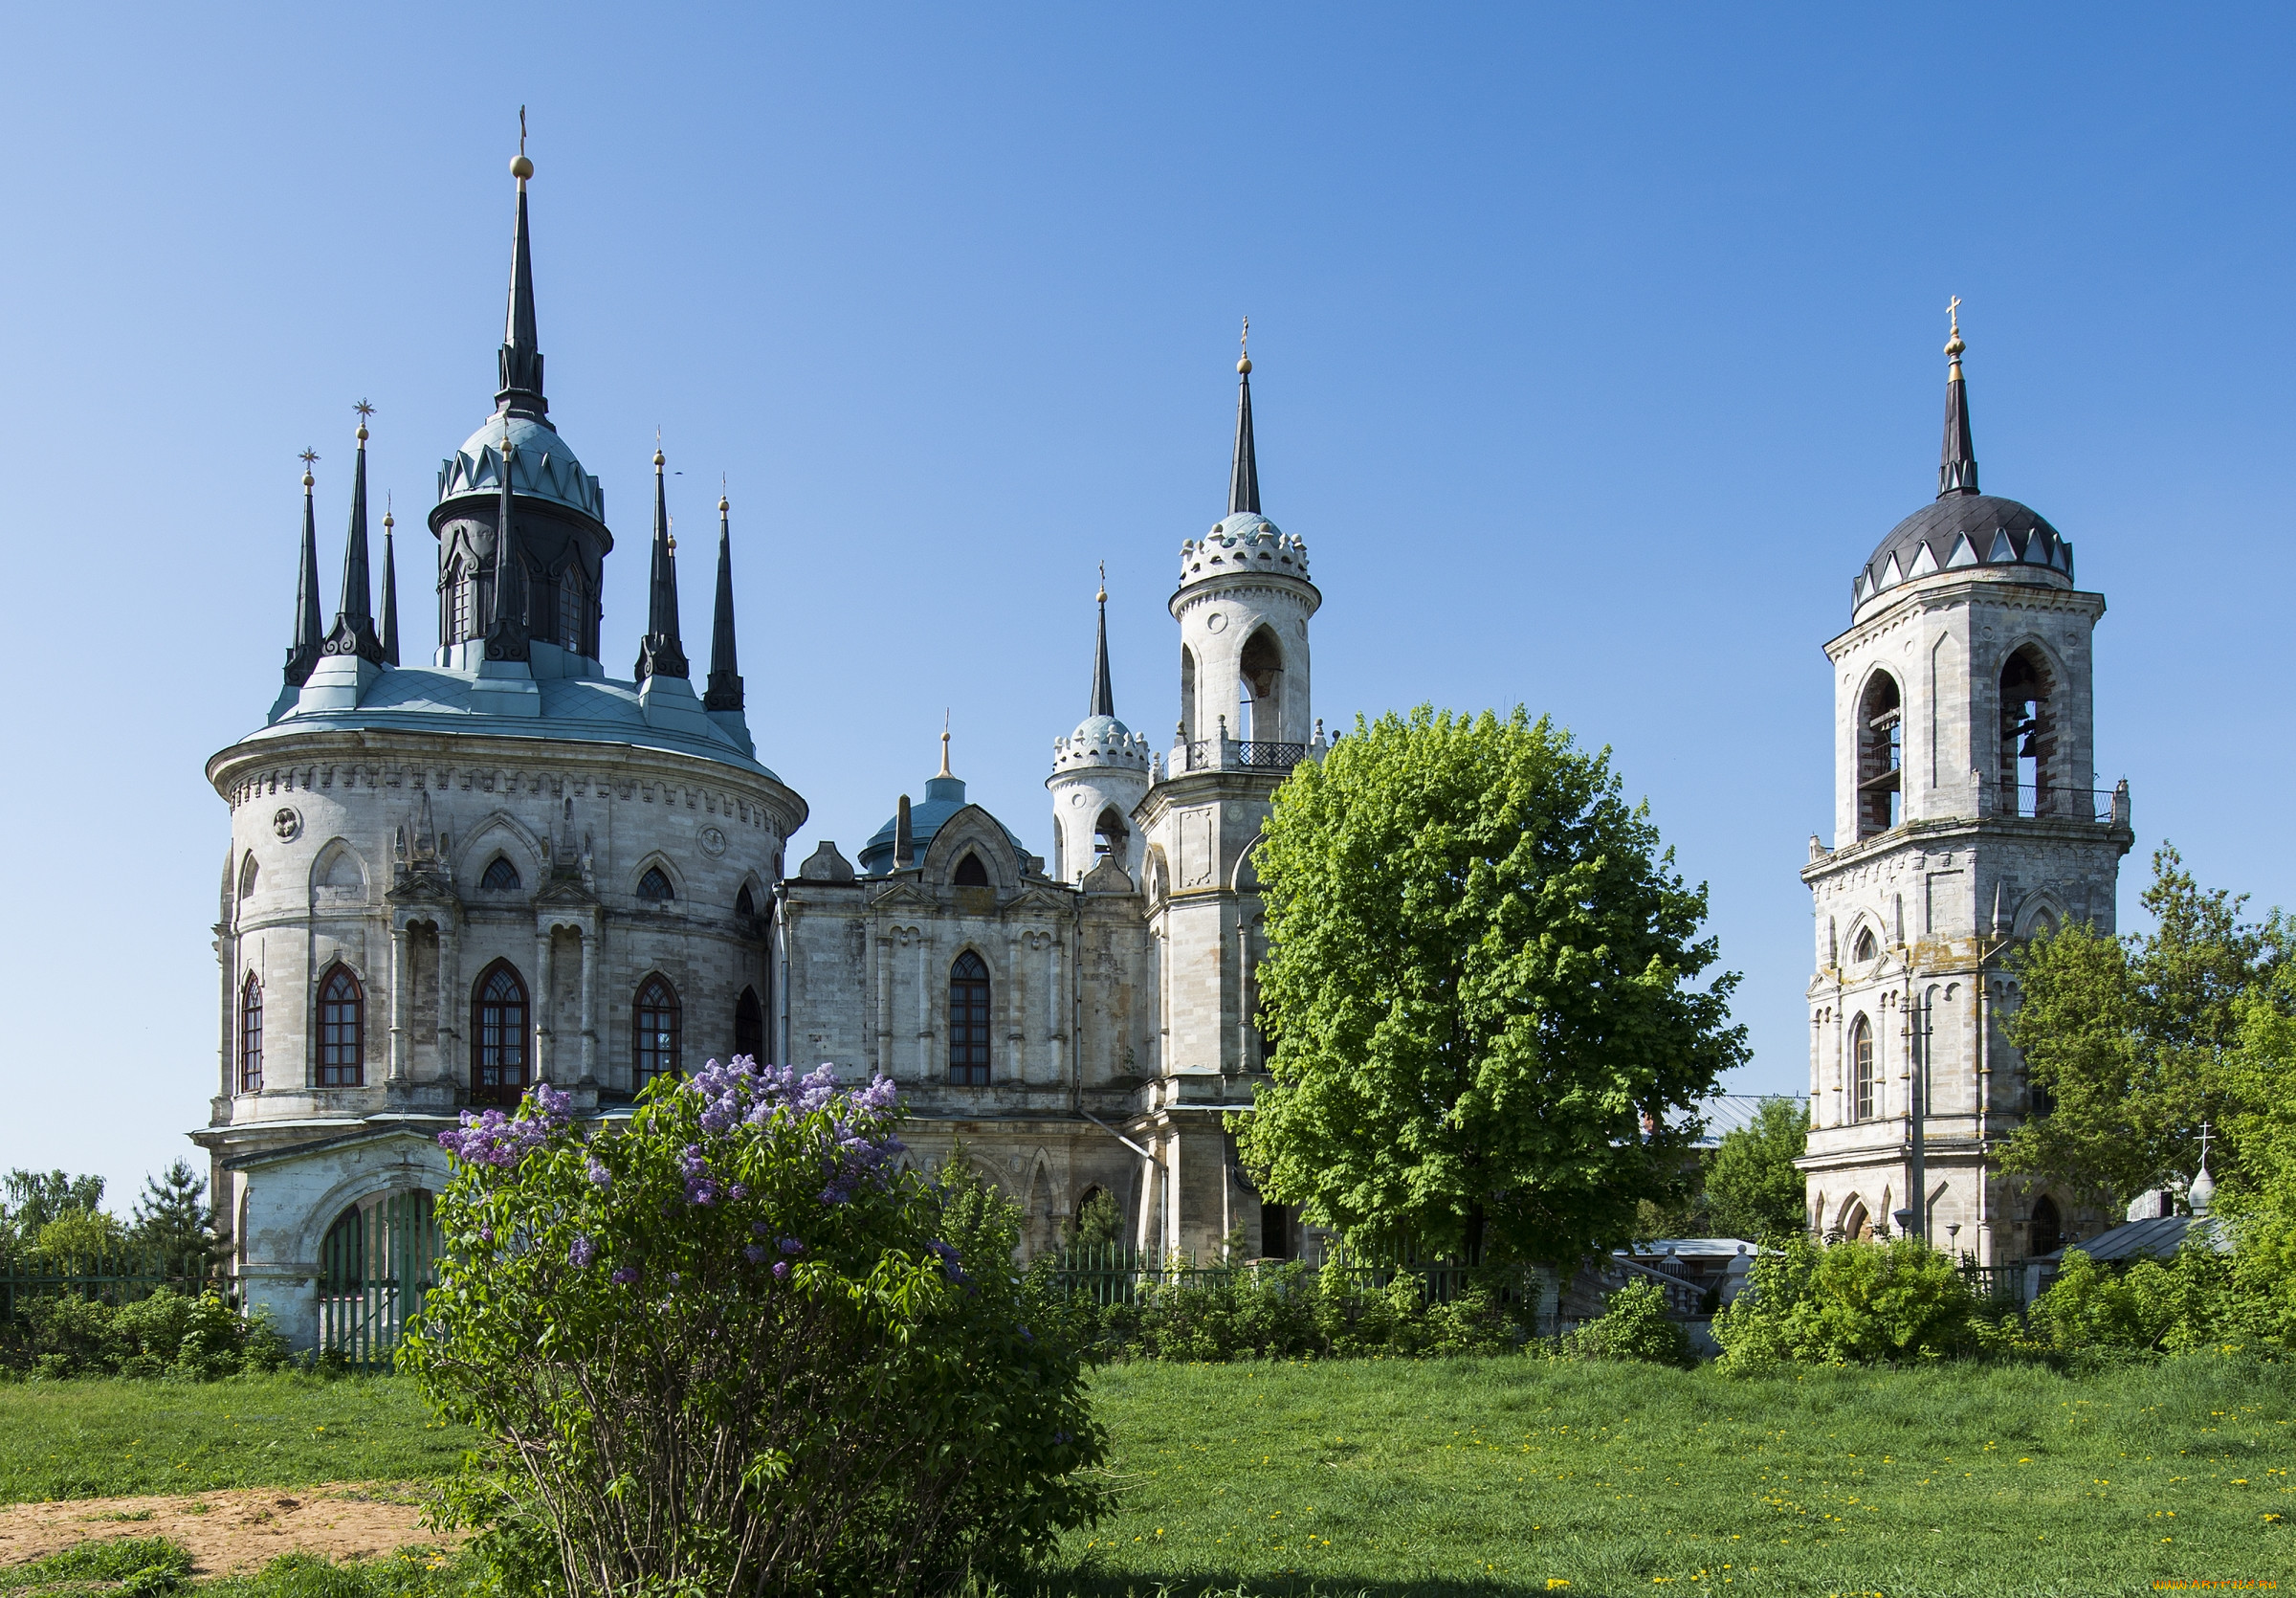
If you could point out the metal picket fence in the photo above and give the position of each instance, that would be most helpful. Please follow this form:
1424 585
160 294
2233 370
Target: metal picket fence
114 1277
1118 1273
376 1266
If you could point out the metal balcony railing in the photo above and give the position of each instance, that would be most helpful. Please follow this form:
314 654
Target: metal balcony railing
2065 803
1229 754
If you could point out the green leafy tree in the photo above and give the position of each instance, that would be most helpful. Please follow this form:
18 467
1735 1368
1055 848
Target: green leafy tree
1481 978
172 1218
2133 1042
35 1198
1753 1188
731 1348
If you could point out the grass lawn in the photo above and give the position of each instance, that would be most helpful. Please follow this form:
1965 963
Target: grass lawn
1448 1477
84 1439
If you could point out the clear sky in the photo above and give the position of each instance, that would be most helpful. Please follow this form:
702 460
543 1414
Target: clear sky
1596 347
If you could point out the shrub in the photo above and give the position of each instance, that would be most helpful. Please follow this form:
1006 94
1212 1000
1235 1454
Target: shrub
2198 1299
142 1565
165 1334
1633 1327
1852 1303
729 1348
1288 1311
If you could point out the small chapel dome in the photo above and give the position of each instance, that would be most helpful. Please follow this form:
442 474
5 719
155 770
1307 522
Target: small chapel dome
1244 542
542 467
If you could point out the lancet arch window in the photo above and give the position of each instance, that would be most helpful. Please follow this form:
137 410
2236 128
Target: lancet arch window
249 871
1260 672
501 1047
1861 1070
968 1021
1864 947
2031 781
1881 756
574 610
1110 836
749 1024
342 1030
251 1035
655 887
655 1027
1187 695
2048 1225
970 872
501 876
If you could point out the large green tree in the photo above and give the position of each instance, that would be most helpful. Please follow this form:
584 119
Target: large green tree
1754 1188
1481 981
2134 1041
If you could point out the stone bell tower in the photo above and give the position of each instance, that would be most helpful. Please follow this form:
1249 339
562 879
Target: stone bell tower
1243 605
1099 773
1968 815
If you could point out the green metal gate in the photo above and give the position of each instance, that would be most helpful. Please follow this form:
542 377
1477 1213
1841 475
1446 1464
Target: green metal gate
376 1266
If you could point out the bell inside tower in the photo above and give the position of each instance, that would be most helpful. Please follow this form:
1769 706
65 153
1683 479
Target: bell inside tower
1881 757
2028 738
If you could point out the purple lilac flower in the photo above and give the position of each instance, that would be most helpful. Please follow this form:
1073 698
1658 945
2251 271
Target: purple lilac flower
759 1228
495 1139
780 1270
951 1264
600 1177
790 1245
674 1278
626 1277
581 1250
755 1254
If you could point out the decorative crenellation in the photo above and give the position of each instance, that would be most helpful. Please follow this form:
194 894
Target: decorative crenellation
1112 745
1244 542
322 778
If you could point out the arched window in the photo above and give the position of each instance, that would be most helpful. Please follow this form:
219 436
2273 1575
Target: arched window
749 1024
744 902
1865 948
2028 770
1260 671
573 610
1860 1069
462 599
655 888
1857 1222
971 872
2048 1225
1187 695
499 1046
251 1035
1881 757
342 1030
968 1021
500 876
1110 836
248 872
656 1024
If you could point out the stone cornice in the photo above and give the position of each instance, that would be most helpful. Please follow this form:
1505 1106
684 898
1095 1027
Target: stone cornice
1952 593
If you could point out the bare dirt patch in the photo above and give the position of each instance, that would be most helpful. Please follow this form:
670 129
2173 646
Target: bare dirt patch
231 1531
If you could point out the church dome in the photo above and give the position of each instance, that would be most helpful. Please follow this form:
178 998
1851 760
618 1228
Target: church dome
1245 542
1100 740
1964 530
944 797
542 466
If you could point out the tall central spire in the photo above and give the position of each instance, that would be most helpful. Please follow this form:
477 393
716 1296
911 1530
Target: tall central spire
1244 478
1104 693
354 631
1957 462
723 691
521 357
660 650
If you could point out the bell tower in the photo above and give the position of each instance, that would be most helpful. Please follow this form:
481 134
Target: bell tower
1968 815
1243 605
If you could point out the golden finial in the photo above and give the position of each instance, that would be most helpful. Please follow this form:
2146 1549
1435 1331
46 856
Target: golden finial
658 452
364 410
944 745
1244 351
308 456
670 530
387 523
1102 595
723 504
1953 346
520 167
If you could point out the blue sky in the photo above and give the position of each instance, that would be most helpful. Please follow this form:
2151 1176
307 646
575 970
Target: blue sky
1595 348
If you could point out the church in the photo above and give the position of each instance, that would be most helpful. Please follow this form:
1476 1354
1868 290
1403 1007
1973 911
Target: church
451 879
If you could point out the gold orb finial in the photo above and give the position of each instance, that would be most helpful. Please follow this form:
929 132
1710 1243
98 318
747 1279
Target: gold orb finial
308 456
364 410
658 458
724 504
520 167
1244 351
1953 346
1102 596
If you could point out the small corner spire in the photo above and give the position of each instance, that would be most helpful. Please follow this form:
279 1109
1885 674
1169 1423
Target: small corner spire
1243 476
1104 693
354 631
1957 461
521 361
302 653
660 650
724 689
389 627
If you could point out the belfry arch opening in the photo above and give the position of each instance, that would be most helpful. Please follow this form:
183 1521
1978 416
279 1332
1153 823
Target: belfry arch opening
1110 836
1881 756
2031 780
1260 671
1187 695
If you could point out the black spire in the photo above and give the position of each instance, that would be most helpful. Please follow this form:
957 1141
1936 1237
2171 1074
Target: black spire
1104 693
506 632
521 357
1957 462
355 618
724 691
389 628
1244 479
304 652
660 650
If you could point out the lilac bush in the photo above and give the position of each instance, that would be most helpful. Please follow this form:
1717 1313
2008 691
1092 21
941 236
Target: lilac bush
731 1347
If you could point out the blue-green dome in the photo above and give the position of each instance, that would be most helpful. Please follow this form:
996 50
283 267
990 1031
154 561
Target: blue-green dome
542 467
944 797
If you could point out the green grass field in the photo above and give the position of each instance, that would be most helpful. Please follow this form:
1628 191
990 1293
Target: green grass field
1483 1475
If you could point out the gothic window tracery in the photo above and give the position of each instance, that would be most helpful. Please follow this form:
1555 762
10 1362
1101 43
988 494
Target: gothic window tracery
654 887
1865 947
1861 1057
341 1031
498 1038
968 1021
251 1035
501 876
657 1027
